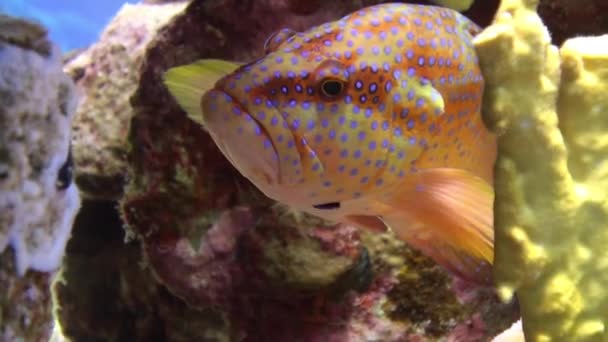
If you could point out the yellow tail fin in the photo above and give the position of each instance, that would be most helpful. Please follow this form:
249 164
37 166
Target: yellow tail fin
188 83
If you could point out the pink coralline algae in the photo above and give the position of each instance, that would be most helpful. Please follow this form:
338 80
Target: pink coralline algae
228 272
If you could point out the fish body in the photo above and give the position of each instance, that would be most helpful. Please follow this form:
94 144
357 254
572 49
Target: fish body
373 120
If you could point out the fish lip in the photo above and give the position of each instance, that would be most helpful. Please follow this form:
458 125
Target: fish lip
223 89
284 176
281 179
240 104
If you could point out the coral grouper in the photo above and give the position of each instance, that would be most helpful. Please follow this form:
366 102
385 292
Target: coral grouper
372 120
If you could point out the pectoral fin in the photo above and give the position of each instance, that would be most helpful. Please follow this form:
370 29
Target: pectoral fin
448 215
188 83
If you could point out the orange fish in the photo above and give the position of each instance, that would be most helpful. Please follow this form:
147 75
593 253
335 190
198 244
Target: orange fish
372 120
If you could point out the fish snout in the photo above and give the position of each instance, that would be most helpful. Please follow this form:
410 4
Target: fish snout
241 138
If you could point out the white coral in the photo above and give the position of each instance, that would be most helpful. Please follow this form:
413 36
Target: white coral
37 103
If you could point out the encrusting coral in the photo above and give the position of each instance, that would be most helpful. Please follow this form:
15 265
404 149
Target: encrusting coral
551 205
38 200
106 75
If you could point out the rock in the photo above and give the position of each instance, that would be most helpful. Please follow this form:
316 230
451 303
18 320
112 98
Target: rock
215 242
103 293
25 302
107 75
38 200
25 34
215 250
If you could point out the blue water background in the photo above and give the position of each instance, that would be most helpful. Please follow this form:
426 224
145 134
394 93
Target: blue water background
71 23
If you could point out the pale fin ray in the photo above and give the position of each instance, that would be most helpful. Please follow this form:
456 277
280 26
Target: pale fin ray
448 215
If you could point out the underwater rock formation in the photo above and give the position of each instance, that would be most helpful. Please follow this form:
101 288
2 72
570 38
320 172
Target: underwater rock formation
103 293
220 261
106 75
38 200
25 302
549 108
218 244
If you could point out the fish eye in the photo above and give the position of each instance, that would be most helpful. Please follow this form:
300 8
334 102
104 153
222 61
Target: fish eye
332 87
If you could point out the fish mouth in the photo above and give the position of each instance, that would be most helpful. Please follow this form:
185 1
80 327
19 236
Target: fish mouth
241 137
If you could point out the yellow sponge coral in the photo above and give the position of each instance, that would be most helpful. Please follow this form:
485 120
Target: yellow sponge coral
550 109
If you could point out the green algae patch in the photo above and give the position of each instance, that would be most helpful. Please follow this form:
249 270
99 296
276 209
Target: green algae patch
549 109
421 298
424 295
304 265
